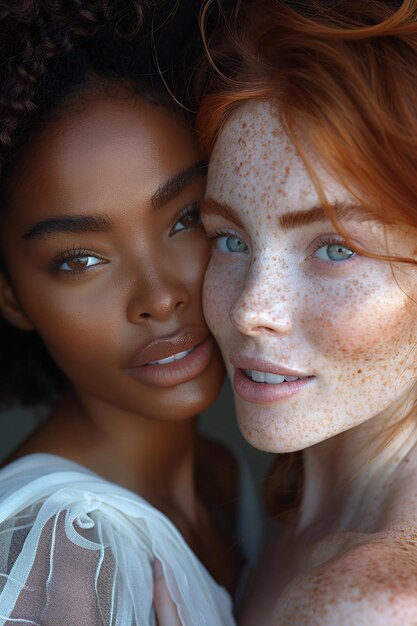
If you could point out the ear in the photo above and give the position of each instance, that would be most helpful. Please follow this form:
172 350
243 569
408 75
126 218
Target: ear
10 307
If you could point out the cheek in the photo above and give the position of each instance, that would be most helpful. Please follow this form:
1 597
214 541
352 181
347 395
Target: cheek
360 321
191 262
221 288
73 320
183 262
78 339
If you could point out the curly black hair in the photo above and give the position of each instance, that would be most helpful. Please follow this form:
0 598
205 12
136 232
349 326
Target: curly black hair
48 50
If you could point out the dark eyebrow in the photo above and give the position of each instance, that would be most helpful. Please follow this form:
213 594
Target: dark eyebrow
213 207
69 224
102 223
342 211
177 183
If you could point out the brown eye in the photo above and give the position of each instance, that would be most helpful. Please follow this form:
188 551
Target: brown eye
189 218
192 219
79 263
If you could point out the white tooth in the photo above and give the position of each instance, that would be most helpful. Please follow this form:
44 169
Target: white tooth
258 377
291 378
181 355
274 378
248 373
169 359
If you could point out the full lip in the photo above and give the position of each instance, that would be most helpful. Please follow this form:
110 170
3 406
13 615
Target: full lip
262 365
266 393
168 345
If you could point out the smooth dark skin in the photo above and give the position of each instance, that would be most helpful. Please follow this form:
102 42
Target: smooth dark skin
105 154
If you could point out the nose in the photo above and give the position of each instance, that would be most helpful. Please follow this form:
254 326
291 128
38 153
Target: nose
156 297
264 304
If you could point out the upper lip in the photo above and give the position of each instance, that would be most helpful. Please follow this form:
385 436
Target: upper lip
262 365
168 345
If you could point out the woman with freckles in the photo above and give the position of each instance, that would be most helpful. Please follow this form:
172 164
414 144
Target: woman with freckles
311 205
102 263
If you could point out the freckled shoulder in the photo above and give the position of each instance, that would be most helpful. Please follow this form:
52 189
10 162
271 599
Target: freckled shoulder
372 584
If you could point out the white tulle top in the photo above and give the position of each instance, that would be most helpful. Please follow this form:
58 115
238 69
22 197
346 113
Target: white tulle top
77 550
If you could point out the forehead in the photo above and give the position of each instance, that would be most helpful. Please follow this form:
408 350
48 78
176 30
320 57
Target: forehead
99 152
254 161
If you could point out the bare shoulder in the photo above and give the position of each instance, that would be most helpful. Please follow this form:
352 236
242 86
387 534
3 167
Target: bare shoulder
372 583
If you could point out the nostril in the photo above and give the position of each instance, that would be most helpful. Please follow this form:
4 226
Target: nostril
157 307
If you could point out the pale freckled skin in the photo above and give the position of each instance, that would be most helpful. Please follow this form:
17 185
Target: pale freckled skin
352 326
326 320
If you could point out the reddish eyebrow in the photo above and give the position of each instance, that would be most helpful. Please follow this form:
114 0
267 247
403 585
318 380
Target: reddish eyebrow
213 207
293 219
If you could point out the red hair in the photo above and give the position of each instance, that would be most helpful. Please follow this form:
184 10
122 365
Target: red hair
345 73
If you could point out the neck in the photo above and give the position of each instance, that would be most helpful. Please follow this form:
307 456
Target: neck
347 477
155 458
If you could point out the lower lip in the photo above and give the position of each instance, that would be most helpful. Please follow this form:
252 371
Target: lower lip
177 372
264 393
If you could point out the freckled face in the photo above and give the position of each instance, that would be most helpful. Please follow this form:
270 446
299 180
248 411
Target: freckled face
291 297
100 295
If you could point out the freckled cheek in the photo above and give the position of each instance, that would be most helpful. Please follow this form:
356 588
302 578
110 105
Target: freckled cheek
365 326
221 289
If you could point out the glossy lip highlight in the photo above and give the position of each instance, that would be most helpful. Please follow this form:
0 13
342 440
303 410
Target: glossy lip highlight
177 372
168 345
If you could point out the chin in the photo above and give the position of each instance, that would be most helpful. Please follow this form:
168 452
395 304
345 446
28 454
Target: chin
195 396
264 431
273 443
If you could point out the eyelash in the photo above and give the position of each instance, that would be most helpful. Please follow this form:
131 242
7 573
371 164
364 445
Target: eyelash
70 255
188 211
218 232
77 252
333 240
325 240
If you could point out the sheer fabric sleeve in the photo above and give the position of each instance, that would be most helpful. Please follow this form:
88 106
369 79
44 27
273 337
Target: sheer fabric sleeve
76 550
58 590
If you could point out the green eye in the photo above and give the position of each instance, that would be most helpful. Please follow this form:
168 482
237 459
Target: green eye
334 252
231 243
